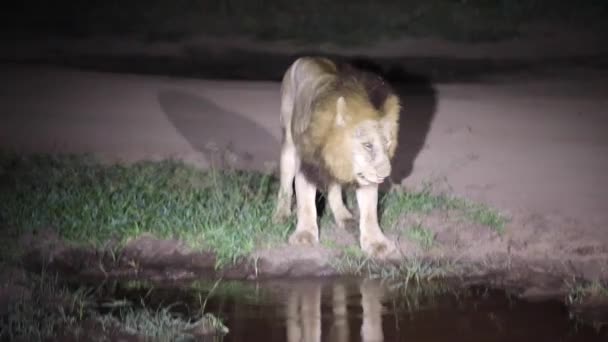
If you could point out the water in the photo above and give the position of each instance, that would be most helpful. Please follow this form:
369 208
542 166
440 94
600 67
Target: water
350 309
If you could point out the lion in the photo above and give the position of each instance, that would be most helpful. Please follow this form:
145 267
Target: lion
339 128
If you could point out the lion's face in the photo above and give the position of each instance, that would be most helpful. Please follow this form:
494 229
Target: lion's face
363 141
370 152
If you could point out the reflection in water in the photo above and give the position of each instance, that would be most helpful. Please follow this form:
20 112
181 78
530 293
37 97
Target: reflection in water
339 328
303 312
350 309
371 296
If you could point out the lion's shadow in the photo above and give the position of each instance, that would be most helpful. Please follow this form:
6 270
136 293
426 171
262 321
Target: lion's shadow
215 131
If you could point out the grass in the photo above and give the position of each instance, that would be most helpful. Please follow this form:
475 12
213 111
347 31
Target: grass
353 262
581 291
52 309
228 212
245 293
48 309
199 291
162 324
594 296
396 203
425 296
11 252
344 22
423 236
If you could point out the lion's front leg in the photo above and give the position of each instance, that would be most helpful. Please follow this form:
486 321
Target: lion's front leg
307 230
373 242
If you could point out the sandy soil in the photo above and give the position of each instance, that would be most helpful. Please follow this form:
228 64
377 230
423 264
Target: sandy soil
536 149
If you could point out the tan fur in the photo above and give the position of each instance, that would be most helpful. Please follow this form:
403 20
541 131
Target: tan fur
333 129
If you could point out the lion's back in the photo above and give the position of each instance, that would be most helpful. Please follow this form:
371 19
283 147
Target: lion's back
307 81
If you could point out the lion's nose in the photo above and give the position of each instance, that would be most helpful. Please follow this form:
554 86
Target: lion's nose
383 170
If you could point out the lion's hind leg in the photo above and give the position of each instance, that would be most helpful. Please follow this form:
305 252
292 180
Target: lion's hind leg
288 168
289 161
342 215
307 229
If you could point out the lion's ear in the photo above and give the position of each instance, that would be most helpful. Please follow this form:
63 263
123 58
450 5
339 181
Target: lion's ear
391 108
390 120
341 111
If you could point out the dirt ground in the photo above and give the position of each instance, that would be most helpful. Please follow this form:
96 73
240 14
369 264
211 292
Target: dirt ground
534 146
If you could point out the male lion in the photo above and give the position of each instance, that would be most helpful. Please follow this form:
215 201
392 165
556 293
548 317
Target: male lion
339 127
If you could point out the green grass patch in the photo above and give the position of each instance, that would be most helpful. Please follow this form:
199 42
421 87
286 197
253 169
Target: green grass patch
228 211
423 236
397 203
340 21
354 262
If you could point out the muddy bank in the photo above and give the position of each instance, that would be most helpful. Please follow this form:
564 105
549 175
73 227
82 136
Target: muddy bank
339 308
149 258
461 255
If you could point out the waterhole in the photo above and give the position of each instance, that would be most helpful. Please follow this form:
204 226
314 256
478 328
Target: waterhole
352 309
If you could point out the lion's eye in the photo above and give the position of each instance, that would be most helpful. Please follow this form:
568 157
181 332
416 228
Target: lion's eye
367 146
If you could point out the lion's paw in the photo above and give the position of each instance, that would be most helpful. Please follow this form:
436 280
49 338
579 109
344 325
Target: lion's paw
303 237
378 248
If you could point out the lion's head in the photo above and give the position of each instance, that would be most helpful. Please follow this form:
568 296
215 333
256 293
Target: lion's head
364 140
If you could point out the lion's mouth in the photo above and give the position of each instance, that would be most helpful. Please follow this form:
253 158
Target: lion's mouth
367 180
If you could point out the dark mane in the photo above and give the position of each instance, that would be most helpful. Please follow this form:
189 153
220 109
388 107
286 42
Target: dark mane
376 87
349 79
316 172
